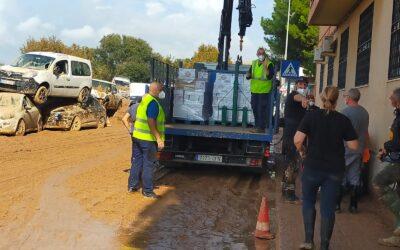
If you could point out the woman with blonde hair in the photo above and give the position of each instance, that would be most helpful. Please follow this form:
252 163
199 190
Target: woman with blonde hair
324 163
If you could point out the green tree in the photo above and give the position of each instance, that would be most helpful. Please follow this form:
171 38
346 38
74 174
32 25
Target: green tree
205 53
53 44
124 56
302 38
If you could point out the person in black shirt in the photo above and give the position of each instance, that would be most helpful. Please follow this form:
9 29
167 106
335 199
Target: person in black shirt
295 108
324 163
390 174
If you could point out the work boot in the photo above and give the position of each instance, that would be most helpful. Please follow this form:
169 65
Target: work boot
339 200
309 224
327 225
396 232
393 241
353 200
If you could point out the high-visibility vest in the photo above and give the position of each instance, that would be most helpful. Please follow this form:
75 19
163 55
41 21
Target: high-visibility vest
259 83
141 129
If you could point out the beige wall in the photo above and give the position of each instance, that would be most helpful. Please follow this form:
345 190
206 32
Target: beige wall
375 94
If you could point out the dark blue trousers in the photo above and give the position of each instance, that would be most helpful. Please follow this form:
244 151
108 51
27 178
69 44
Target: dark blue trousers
330 185
260 106
143 161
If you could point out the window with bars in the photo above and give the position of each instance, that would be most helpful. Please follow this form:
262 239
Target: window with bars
394 59
331 61
321 77
344 47
364 46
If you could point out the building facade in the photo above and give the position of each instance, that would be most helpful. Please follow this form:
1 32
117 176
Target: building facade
366 55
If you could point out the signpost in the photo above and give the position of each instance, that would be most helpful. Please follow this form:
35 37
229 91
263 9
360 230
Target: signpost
290 69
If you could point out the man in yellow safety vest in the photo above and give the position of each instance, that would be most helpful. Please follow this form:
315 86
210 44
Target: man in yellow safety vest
148 134
261 74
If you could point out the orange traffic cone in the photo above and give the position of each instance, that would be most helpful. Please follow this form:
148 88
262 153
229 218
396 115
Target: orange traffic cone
262 228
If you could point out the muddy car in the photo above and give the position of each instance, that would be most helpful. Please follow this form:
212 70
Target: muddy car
46 74
18 115
90 114
108 95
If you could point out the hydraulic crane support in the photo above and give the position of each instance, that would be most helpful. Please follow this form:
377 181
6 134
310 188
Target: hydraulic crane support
224 41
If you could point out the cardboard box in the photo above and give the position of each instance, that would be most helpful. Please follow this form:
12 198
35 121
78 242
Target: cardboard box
186 75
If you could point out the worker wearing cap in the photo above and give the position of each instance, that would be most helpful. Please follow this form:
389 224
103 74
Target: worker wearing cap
148 134
261 74
295 108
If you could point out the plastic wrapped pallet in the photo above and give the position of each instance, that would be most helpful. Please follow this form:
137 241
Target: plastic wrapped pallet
189 95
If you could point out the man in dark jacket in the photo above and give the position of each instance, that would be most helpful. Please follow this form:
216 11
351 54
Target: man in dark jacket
295 109
390 174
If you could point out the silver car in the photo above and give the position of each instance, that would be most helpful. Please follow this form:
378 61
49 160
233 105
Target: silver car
18 115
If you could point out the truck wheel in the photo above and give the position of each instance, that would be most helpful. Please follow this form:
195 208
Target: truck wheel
40 124
21 128
76 124
84 95
41 95
102 123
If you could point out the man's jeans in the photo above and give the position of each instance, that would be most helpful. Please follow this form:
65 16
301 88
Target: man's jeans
384 181
260 105
144 159
330 185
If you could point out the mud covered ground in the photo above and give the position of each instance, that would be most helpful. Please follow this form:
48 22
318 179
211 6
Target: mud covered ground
67 190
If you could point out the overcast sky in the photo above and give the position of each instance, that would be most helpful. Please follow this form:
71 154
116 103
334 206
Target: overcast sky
175 27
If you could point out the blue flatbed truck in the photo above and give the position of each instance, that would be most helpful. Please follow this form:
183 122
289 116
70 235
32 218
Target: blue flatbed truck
217 145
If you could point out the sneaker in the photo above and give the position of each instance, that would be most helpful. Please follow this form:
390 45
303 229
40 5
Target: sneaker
393 241
133 189
307 246
150 195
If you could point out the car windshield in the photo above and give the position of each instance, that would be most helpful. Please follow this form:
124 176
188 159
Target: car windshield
123 83
8 101
33 61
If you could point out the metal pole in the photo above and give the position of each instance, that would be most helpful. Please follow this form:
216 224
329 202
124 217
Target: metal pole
287 31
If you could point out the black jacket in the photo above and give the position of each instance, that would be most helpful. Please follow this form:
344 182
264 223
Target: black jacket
393 145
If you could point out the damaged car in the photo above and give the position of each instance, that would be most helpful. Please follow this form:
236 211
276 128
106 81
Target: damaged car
44 74
74 117
18 115
108 95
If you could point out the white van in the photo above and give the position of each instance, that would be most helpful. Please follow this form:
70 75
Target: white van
43 74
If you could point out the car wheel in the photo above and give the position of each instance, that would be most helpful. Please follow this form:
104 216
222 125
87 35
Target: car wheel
102 123
76 124
21 128
84 95
41 95
40 124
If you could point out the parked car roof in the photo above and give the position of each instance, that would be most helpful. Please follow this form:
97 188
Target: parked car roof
103 81
56 55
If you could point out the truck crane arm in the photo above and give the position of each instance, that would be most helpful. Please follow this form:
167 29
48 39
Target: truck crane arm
224 40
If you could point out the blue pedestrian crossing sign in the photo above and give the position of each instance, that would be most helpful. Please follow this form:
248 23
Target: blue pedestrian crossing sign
290 69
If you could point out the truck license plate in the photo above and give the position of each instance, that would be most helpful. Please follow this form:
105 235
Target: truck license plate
209 158
9 82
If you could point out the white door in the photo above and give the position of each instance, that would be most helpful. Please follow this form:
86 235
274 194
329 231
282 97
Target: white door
81 76
61 78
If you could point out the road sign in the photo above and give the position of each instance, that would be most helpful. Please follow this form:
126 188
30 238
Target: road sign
290 69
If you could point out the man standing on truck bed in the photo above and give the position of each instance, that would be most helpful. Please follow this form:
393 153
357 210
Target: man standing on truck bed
261 74
148 134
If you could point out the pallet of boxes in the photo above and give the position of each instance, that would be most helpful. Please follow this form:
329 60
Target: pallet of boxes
206 96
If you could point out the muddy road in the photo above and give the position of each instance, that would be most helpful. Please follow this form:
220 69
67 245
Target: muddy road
67 190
